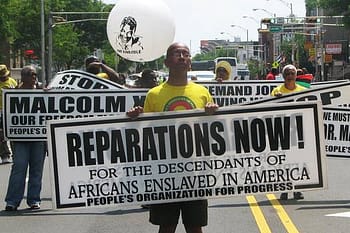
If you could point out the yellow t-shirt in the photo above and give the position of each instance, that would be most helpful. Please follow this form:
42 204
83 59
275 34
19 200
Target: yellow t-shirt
282 89
9 83
165 97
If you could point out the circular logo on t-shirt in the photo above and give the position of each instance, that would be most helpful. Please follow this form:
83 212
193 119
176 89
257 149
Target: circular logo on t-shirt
179 103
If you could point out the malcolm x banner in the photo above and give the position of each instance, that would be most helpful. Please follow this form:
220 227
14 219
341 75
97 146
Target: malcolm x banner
189 155
27 111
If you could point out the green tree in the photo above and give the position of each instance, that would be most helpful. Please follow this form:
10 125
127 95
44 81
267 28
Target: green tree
6 31
87 33
255 68
334 7
68 53
5 21
20 27
26 34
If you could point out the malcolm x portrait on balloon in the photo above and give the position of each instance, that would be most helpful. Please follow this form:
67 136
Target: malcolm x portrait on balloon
127 39
140 31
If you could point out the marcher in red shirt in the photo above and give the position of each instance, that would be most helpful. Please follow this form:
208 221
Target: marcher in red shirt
272 74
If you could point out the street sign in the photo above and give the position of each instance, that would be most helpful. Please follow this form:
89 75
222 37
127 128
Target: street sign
328 58
312 51
275 28
275 64
280 20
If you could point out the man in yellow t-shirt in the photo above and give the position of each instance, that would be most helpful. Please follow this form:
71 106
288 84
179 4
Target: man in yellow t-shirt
5 82
174 95
289 74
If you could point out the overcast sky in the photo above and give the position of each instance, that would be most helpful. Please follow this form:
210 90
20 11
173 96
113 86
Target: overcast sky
197 20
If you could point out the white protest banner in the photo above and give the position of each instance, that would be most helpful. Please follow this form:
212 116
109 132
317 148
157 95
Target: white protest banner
336 96
330 95
337 131
233 93
78 79
23 125
238 92
186 155
26 111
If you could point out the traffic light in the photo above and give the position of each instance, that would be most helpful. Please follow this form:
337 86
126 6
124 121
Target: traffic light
268 20
29 52
312 20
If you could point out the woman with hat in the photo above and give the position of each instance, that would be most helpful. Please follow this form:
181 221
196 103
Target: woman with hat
223 71
289 73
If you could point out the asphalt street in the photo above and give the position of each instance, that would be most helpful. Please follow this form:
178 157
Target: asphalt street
322 211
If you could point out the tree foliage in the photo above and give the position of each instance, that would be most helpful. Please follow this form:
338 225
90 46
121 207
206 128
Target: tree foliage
73 42
67 49
20 26
333 7
6 28
25 17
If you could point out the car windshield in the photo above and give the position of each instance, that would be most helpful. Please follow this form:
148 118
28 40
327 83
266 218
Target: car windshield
201 76
243 72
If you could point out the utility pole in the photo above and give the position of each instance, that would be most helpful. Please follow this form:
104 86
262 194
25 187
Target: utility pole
42 19
49 53
247 51
289 5
322 51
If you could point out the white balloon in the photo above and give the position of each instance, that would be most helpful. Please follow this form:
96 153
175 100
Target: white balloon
140 30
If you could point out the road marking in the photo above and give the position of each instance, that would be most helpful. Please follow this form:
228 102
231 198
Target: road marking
282 214
258 215
343 214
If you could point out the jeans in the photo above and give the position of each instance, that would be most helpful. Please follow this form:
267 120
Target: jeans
26 154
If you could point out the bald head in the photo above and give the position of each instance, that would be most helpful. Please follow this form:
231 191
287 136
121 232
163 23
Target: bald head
174 46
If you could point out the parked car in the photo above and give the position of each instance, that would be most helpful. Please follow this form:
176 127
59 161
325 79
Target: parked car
131 80
243 74
201 75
